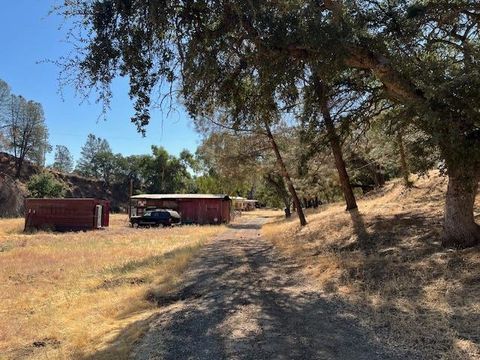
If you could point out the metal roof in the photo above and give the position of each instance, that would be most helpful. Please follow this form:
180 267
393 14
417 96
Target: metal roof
180 196
62 199
238 198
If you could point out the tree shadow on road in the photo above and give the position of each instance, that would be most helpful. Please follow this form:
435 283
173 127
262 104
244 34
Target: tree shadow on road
252 304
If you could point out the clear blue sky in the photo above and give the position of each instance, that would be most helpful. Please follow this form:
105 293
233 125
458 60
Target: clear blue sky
29 35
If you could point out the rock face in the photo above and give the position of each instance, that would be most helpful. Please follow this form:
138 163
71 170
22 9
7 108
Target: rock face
13 192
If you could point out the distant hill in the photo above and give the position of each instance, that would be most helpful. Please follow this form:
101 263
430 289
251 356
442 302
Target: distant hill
13 192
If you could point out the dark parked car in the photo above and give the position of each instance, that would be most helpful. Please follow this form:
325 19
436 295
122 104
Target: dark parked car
158 217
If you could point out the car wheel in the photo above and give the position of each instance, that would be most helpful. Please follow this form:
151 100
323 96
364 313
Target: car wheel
135 225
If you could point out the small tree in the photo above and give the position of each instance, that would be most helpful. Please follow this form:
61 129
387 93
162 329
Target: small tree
4 102
90 161
45 185
63 159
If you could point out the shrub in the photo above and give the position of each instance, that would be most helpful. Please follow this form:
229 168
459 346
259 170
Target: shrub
45 185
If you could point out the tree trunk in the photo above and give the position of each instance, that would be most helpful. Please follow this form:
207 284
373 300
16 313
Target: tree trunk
18 167
288 213
285 174
338 156
378 176
460 229
403 161
282 192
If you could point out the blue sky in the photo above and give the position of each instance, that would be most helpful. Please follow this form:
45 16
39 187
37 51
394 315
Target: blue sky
29 35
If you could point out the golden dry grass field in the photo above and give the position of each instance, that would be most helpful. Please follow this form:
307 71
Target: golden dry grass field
68 295
386 262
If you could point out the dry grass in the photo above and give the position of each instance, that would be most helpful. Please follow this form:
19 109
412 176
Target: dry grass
11 226
265 213
385 262
72 295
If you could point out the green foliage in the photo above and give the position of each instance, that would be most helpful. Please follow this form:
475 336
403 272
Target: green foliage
245 57
63 159
45 185
23 131
164 173
231 163
91 159
28 132
273 192
245 65
4 103
159 172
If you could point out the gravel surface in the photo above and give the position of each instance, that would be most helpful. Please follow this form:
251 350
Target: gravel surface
243 300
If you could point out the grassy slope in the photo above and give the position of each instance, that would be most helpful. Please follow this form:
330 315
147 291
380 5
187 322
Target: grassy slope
386 262
72 293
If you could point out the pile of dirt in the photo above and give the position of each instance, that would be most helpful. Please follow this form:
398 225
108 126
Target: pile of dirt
13 191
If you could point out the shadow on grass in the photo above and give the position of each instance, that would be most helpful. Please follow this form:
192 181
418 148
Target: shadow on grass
406 282
239 303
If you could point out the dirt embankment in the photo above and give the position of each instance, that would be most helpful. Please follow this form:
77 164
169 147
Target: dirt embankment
13 191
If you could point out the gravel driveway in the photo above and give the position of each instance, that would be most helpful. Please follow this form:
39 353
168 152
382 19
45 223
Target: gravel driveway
243 300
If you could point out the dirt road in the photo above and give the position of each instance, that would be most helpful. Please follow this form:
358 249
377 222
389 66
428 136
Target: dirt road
242 300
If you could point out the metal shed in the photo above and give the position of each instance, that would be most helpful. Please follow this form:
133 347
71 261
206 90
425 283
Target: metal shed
243 204
193 208
73 214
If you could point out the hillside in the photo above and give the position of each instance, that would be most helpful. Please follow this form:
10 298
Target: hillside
13 192
386 263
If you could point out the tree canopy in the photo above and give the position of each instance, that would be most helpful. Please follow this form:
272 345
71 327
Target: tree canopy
246 64
63 159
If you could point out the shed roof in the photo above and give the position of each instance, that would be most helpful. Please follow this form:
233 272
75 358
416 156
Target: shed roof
180 196
64 199
238 198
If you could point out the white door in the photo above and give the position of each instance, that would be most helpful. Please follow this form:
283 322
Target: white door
98 215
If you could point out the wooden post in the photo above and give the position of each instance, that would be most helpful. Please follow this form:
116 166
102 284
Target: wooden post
130 194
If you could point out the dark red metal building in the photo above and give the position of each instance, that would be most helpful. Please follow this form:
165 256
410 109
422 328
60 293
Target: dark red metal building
66 214
193 208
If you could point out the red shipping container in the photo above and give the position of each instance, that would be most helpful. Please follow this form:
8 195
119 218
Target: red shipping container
73 214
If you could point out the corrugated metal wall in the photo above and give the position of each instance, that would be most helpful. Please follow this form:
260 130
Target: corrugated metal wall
65 214
197 211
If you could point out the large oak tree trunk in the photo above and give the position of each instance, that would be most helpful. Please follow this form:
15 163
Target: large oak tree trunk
338 156
286 175
460 229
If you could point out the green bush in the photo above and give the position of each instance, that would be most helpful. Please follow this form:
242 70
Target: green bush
45 185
